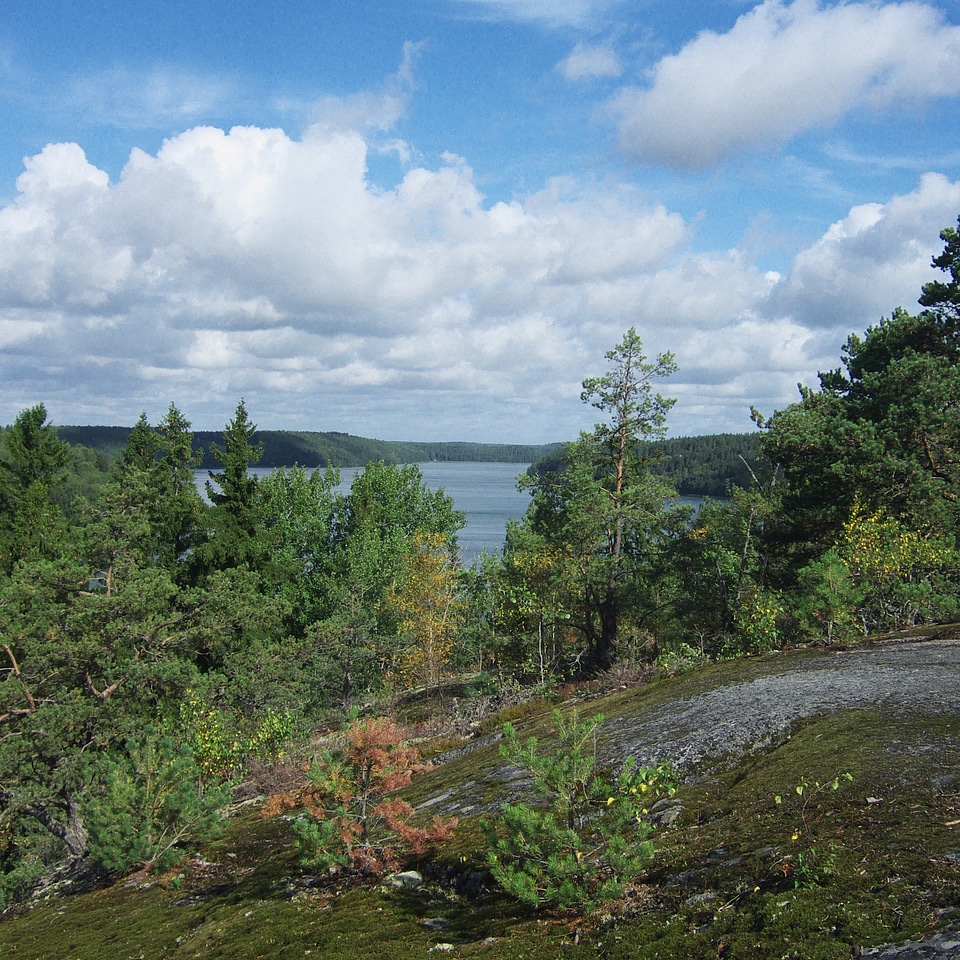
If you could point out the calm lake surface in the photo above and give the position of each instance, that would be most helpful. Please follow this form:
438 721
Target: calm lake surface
486 492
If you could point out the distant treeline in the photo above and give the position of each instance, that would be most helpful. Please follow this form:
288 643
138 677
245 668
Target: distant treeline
700 466
706 466
284 448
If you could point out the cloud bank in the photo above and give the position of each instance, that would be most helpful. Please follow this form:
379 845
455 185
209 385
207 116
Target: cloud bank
781 71
245 262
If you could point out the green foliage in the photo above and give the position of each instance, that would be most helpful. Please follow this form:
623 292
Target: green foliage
680 658
298 522
87 471
903 576
828 598
871 464
481 641
234 486
593 840
758 622
235 640
885 435
532 594
375 534
32 452
812 862
154 798
705 466
152 486
880 575
943 298
88 661
33 463
235 516
718 569
568 776
428 601
222 744
604 515
22 875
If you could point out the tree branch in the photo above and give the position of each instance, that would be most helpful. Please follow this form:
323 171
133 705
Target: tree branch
101 694
938 473
26 690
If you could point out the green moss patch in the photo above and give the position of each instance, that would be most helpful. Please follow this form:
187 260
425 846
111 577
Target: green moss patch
724 881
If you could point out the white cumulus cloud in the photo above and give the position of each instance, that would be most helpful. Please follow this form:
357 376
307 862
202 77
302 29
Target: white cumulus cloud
245 262
242 261
873 260
784 69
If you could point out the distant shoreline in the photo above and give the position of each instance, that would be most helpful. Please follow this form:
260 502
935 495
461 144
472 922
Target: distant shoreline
699 466
284 448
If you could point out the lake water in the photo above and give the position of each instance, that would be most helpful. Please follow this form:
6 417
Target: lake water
486 492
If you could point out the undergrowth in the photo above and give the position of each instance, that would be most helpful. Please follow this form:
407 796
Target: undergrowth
719 885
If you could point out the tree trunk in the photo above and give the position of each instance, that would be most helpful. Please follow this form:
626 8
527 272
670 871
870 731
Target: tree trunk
605 651
73 833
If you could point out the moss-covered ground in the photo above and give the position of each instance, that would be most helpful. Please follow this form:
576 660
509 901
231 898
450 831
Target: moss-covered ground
883 853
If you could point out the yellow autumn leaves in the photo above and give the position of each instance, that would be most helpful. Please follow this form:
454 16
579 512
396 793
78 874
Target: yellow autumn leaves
429 603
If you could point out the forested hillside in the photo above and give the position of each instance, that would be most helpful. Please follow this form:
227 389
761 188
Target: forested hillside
704 466
709 465
700 466
285 448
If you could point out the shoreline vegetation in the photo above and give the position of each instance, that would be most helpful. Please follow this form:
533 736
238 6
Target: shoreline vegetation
700 466
309 448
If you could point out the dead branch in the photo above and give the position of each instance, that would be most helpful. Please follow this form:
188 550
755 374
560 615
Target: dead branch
101 694
16 672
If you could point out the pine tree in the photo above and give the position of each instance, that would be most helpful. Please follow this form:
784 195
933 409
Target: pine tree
603 513
235 516
33 462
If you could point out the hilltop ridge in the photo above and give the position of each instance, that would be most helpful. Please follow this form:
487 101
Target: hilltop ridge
310 448
700 466
721 883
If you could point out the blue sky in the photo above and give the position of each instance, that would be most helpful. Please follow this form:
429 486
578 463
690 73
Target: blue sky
430 221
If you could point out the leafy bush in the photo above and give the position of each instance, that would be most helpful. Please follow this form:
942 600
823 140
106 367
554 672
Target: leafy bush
592 840
813 863
679 659
154 799
757 624
221 746
904 576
